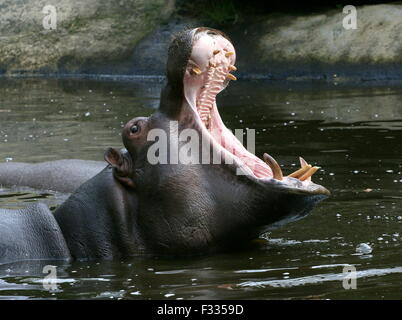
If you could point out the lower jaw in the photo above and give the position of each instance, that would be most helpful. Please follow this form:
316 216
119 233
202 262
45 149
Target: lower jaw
233 152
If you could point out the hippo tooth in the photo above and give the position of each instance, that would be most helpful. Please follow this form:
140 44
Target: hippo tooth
309 173
232 68
231 76
196 70
303 162
276 169
300 172
229 53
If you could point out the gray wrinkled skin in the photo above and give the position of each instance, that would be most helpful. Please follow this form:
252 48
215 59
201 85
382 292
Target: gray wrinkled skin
29 234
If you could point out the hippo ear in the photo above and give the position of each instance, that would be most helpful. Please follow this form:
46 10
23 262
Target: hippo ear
122 165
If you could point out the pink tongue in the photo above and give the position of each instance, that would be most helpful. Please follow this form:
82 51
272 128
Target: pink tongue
257 166
228 141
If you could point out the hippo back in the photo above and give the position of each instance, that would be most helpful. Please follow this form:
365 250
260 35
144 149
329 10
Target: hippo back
60 175
30 234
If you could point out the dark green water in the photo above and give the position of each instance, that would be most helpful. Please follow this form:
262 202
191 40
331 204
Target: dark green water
354 134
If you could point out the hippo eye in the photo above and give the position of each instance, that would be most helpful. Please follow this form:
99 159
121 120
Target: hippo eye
134 129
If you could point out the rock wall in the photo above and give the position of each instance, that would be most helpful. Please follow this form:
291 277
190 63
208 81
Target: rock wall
88 33
129 37
320 44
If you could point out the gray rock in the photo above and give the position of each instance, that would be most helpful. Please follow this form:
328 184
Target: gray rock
322 37
150 54
130 37
319 44
89 34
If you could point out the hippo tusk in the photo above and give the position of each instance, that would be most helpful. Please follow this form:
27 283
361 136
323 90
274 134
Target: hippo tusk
276 169
229 53
303 162
305 172
232 68
300 172
309 173
231 76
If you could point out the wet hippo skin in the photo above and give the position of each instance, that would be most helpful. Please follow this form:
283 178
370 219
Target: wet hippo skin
61 175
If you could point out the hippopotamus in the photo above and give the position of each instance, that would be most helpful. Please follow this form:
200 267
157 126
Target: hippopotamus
182 185
60 175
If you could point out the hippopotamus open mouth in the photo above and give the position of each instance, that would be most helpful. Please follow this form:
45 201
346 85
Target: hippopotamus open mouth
136 205
208 72
199 203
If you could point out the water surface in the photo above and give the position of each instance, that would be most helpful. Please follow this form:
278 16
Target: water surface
353 133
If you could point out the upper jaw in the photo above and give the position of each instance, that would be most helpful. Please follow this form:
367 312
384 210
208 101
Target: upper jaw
208 71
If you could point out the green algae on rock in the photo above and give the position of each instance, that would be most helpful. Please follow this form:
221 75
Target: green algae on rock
88 33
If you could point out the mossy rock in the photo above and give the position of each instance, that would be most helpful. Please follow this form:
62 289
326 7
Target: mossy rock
89 33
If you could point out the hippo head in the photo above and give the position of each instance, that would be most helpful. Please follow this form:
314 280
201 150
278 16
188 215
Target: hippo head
198 188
